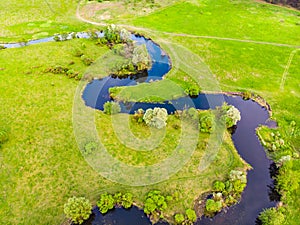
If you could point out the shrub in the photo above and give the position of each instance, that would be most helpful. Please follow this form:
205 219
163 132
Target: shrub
89 148
238 175
87 61
112 34
124 200
230 115
125 36
246 95
138 115
191 215
105 203
111 108
193 90
140 57
3 136
219 186
179 218
78 209
271 216
213 206
154 202
156 117
207 122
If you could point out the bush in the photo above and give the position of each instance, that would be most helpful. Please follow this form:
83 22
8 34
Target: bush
105 203
87 61
124 200
111 108
191 215
230 115
271 216
213 206
192 90
89 148
238 175
207 122
3 136
219 186
179 218
112 34
246 95
156 117
78 209
140 57
155 202
138 115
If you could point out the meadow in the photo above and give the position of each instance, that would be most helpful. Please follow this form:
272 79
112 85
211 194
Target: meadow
247 46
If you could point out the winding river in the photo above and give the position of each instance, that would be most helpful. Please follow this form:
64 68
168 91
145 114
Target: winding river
256 195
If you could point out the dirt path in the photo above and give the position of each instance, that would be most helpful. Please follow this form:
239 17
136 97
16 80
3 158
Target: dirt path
286 69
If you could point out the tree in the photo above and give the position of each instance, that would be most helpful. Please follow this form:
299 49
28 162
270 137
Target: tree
271 216
154 202
230 115
213 206
111 108
193 90
140 57
191 215
219 186
78 209
156 117
127 200
179 218
207 122
112 34
105 203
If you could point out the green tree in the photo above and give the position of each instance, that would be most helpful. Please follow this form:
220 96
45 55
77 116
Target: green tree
154 202
127 200
271 216
213 206
140 57
105 203
207 122
219 186
78 209
156 117
193 90
179 218
111 108
191 215
230 115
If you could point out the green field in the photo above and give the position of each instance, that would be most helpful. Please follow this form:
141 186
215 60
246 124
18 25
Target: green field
239 45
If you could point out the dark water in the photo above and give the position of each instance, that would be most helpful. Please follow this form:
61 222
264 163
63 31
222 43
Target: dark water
118 216
256 195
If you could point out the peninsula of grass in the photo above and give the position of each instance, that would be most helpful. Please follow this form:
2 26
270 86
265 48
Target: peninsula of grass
247 45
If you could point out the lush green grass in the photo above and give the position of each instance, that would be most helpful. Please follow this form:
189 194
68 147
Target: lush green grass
155 92
33 19
40 164
232 19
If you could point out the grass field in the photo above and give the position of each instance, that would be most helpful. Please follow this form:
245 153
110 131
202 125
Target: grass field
41 166
33 19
